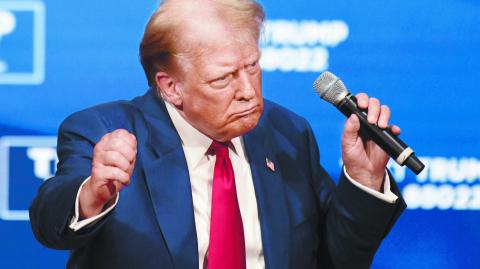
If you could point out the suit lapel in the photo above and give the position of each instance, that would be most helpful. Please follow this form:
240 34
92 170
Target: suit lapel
271 201
166 175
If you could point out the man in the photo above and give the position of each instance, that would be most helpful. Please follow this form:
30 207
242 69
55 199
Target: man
148 183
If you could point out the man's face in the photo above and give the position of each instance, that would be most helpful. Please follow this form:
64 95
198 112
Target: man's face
221 88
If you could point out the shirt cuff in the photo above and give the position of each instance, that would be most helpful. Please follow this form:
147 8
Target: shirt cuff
75 224
387 195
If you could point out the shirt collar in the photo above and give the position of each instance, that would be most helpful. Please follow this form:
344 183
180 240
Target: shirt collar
194 142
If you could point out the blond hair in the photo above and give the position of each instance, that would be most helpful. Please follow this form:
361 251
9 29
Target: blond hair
162 39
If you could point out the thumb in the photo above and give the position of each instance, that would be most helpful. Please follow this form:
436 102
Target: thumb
350 132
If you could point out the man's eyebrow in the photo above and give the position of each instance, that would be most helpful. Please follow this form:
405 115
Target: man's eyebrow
254 58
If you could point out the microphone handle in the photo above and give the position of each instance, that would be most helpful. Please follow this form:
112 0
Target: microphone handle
389 142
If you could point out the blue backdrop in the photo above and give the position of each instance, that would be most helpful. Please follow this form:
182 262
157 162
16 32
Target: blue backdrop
422 58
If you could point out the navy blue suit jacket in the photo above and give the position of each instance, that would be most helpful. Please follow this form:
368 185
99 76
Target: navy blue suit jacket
306 221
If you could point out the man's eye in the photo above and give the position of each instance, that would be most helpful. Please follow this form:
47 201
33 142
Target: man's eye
252 68
221 82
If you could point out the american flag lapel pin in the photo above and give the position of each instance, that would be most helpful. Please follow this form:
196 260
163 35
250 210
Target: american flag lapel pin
270 164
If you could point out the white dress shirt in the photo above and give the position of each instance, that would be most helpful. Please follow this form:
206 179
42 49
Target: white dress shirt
201 167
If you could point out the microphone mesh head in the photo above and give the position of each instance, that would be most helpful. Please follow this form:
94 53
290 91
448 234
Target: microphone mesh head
330 88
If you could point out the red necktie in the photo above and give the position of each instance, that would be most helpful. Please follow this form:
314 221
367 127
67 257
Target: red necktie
227 243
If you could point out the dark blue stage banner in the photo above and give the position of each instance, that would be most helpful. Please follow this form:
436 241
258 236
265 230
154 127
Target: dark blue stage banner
422 58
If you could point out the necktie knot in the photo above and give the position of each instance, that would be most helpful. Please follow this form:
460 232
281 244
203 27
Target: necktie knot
220 149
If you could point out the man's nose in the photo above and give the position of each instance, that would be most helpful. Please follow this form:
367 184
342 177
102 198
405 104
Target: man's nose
245 88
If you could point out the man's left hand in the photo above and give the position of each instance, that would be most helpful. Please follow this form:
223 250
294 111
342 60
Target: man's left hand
364 160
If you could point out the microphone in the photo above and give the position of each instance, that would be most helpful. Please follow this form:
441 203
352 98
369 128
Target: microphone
331 89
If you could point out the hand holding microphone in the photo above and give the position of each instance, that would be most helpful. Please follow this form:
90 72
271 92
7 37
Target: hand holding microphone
367 139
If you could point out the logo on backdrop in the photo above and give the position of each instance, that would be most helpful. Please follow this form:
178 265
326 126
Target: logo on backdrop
445 183
22 42
25 162
300 46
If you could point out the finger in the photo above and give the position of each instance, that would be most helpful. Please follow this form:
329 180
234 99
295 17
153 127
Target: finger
130 168
115 158
134 140
126 136
118 144
373 110
114 187
120 132
116 174
102 142
350 132
362 100
131 141
110 173
396 130
384 117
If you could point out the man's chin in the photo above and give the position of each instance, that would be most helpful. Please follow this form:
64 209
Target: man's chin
250 124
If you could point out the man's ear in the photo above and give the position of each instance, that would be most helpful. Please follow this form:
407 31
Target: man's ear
168 88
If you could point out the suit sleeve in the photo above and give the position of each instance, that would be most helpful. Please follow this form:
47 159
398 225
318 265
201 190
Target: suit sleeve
53 207
355 222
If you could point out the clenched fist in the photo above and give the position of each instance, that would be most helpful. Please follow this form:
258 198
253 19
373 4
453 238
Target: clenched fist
112 166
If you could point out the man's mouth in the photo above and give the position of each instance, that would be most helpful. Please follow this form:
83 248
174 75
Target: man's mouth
247 111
